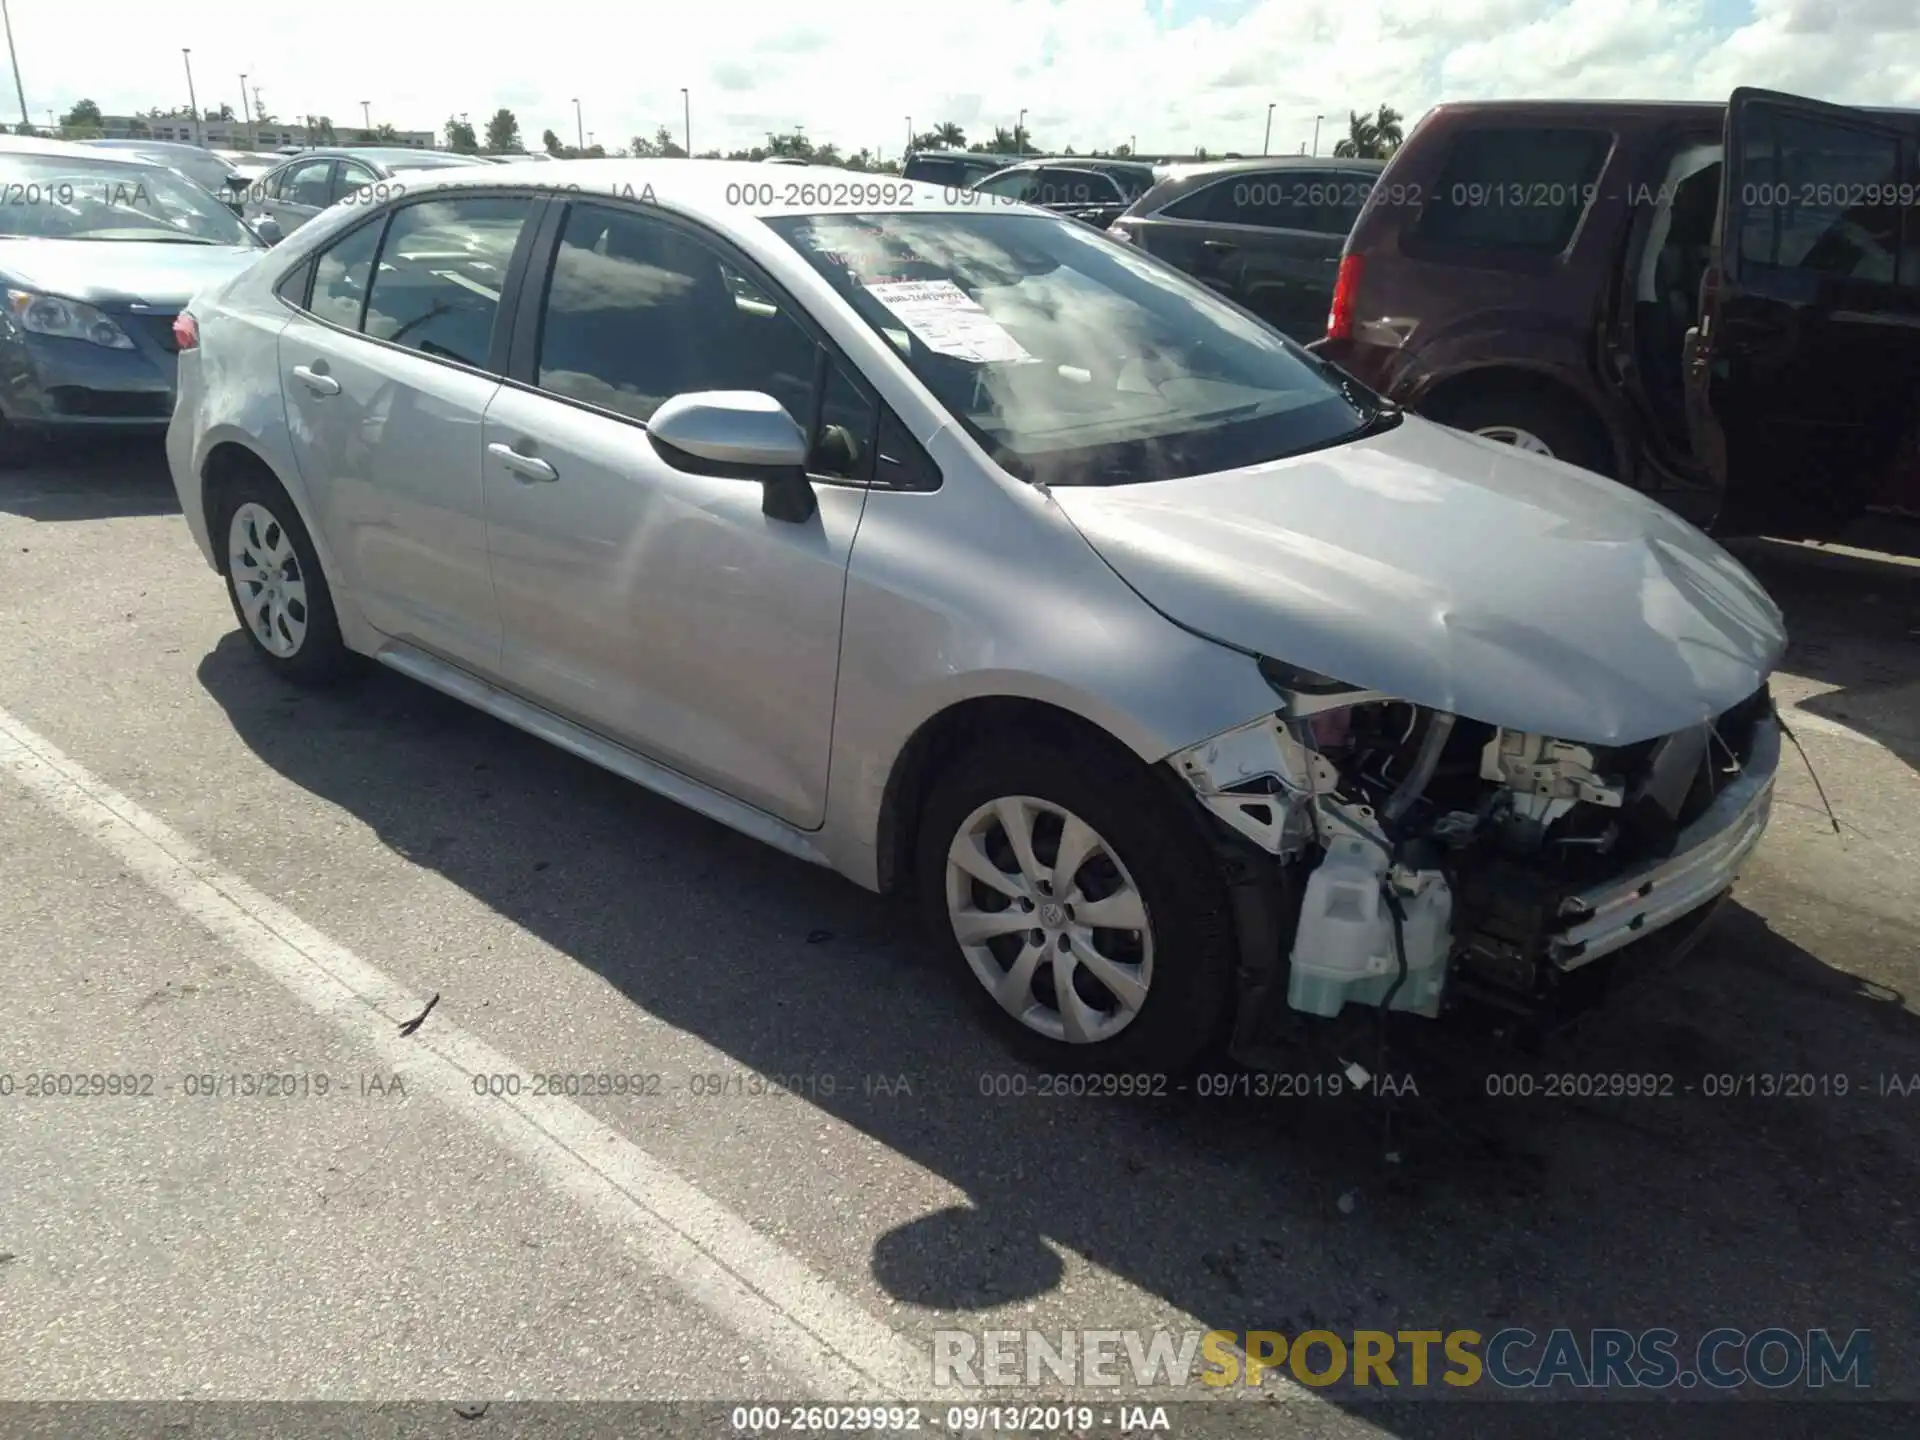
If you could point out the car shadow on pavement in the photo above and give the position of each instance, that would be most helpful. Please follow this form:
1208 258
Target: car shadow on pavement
1853 623
91 480
1688 1208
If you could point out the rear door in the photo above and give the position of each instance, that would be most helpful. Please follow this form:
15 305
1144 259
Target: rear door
387 372
1803 375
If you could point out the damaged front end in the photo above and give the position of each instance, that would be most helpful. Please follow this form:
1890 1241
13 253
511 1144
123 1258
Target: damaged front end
1423 859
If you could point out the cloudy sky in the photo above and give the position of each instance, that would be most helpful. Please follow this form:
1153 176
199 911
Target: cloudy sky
1090 73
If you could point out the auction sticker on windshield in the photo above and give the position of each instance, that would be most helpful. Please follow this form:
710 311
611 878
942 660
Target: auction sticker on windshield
948 321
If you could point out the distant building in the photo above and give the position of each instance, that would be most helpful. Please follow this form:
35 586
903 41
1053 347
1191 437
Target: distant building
246 135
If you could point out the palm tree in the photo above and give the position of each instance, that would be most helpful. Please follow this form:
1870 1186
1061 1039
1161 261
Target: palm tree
1372 136
950 136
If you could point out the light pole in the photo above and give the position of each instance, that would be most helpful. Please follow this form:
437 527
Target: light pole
1133 146
909 132
686 122
18 88
579 127
366 117
244 115
1316 133
1266 145
193 105
1020 134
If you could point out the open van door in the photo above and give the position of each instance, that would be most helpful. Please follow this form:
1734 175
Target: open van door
1803 375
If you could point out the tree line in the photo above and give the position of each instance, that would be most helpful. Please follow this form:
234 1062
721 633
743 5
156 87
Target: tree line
1373 134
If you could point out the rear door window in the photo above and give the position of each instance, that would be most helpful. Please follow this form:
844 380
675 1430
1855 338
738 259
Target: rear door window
1292 199
307 184
437 289
1514 189
1059 185
1015 185
1820 197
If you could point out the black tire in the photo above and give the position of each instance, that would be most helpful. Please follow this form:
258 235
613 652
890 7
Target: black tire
1563 426
1188 1000
321 657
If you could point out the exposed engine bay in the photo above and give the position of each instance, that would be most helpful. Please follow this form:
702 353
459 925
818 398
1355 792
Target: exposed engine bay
1437 858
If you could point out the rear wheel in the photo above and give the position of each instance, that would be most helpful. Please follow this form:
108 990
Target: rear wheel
1080 910
1537 423
274 580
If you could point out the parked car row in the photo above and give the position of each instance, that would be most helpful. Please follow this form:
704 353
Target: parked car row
1715 305
99 251
1547 274
1196 692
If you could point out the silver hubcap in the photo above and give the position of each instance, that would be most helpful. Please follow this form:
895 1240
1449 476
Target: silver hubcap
1520 439
266 579
1049 919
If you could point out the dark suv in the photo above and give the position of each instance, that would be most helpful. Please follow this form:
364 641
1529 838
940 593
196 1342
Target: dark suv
1264 233
1096 191
1596 281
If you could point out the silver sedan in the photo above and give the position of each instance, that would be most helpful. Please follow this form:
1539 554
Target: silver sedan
1196 694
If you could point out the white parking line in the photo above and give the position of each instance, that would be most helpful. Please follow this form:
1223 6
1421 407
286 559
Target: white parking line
805 1324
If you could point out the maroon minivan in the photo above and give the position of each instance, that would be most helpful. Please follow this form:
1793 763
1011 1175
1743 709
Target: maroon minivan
1594 280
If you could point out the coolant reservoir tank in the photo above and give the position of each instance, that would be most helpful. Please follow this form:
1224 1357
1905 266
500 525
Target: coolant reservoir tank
1343 949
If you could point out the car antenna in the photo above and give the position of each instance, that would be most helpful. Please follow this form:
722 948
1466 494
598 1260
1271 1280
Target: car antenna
1812 774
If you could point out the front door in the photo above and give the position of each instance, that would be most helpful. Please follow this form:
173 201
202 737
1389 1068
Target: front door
387 436
660 607
1803 374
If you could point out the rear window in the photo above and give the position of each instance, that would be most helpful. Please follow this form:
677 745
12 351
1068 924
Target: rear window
1514 189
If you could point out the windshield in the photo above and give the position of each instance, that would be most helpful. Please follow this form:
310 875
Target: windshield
54 197
1072 359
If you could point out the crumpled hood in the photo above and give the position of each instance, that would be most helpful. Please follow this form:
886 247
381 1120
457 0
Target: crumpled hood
1456 573
119 274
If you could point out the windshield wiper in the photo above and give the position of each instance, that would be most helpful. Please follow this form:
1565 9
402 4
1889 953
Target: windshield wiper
1380 418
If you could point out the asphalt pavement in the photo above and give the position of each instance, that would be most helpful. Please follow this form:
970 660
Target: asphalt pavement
693 1122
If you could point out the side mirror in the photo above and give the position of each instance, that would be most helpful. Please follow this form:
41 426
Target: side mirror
742 435
268 229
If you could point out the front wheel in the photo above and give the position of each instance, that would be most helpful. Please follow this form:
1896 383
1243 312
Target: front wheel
1079 907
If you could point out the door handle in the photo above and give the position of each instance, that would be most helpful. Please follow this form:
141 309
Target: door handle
527 467
1221 245
315 381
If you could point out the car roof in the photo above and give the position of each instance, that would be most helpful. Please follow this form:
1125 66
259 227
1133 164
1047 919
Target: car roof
1610 109
33 145
1206 169
1177 181
389 155
1079 162
711 190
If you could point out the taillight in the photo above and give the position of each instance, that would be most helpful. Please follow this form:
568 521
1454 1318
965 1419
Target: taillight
1346 289
186 332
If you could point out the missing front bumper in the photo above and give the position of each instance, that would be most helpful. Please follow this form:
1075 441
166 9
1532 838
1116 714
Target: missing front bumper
1706 860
